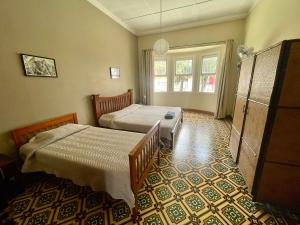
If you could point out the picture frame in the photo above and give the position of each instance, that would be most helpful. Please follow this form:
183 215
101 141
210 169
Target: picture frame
114 72
38 66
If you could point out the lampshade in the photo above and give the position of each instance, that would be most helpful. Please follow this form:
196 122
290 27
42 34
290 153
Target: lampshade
161 47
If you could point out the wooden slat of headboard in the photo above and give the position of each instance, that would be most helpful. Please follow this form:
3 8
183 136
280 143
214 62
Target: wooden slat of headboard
104 105
23 134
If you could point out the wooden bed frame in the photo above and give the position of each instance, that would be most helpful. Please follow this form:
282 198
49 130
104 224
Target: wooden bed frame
141 157
104 105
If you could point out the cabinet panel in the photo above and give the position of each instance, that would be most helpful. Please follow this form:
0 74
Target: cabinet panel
251 155
290 94
245 76
246 165
255 122
234 143
239 113
264 75
279 184
284 141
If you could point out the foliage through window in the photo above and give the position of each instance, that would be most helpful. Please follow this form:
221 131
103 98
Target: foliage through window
160 75
208 74
183 78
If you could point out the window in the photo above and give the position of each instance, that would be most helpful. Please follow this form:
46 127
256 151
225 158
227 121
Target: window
160 75
183 78
208 74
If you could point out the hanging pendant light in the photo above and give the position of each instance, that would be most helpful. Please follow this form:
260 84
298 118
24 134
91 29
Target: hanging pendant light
161 46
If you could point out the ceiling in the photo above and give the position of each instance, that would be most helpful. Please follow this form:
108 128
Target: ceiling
143 17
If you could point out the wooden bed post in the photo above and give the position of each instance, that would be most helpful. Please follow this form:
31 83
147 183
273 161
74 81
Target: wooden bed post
135 210
175 129
131 95
96 107
172 140
158 153
141 159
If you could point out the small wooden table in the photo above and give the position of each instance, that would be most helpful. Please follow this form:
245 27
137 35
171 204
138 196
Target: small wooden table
9 178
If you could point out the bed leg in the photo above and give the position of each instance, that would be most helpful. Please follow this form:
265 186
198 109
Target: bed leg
134 214
172 141
135 209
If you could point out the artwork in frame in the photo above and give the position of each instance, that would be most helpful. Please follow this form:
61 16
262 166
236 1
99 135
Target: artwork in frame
37 66
114 72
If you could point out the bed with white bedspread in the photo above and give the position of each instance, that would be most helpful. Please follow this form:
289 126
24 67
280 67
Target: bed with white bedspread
113 161
119 112
140 118
87 155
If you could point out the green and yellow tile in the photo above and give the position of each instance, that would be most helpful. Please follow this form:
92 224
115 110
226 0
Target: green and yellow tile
197 182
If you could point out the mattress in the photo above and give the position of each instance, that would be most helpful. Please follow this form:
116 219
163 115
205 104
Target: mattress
87 155
140 118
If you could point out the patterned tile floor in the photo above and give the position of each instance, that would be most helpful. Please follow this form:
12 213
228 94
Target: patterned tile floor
196 183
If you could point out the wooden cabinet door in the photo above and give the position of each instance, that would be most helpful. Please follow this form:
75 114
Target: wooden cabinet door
245 76
237 125
279 185
234 144
247 164
255 121
290 94
284 140
264 75
239 113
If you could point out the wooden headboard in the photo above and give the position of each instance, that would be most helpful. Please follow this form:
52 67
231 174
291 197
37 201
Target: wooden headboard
103 105
23 134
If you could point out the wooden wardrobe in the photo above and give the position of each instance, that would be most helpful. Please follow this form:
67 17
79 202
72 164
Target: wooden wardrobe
265 136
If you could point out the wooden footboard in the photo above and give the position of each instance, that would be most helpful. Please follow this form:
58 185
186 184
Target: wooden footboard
176 128
141 159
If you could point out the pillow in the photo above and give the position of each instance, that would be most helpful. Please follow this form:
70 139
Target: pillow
41 137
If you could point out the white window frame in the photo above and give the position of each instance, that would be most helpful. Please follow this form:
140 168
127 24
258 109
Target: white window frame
166 75
189 57
207 74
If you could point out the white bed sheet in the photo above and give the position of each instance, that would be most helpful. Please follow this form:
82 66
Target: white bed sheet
140 118
91 156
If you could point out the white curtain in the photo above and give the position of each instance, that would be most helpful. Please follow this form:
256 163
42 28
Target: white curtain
146 78
222 98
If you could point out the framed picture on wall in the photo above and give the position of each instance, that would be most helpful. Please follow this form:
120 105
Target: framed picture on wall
37 66
114 72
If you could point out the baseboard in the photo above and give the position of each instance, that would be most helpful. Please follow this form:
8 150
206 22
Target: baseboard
198 111
229 118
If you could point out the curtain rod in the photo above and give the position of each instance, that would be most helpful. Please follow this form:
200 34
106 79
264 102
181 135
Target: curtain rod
197 45
192 45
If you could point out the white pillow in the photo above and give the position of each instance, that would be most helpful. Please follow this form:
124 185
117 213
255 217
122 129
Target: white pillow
41 137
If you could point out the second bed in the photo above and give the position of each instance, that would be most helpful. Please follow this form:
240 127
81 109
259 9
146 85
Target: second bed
119 112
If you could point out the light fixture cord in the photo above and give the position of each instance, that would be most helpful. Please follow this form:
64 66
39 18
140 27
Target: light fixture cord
160 21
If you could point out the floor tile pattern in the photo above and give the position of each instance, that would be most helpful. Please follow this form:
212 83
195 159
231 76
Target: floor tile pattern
195 183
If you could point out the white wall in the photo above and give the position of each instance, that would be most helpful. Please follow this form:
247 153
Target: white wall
84 42
272 21
204 34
